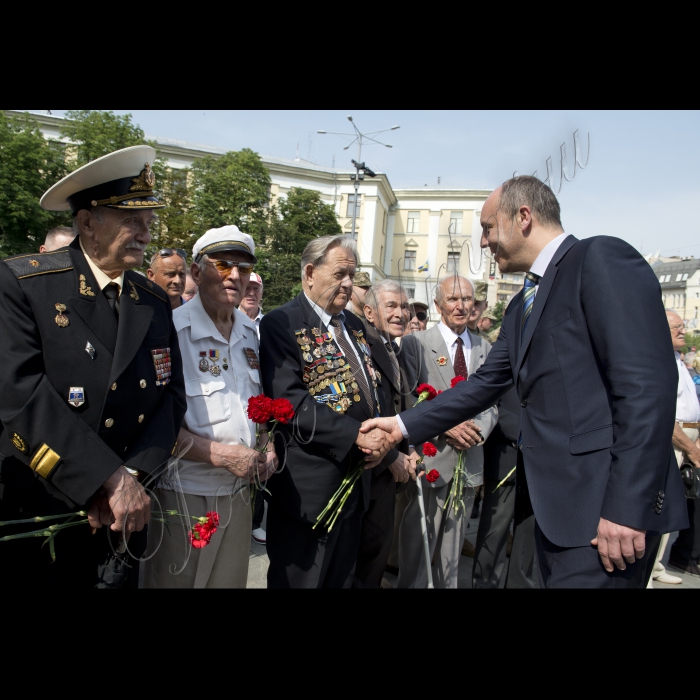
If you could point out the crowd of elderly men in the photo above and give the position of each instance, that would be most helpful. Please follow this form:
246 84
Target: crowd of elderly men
342 352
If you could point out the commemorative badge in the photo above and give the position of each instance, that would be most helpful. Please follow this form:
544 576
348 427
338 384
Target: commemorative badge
163 365
90 350
225 363
61 320
442 360
76 396
252 358
214 358
203 363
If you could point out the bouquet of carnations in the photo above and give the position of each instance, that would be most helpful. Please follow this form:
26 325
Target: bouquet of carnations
329 516
263 410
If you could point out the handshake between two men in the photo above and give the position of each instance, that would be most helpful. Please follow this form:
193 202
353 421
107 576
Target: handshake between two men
379 435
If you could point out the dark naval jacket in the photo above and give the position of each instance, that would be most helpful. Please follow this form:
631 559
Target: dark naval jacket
82 392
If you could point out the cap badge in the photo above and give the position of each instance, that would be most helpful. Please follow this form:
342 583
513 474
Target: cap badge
144 181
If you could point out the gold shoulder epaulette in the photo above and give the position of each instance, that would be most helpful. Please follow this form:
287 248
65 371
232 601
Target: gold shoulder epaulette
32 265
145 283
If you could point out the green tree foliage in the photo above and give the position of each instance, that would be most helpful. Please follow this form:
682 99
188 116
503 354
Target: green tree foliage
29 165
498 310
96 133
232 189
298 219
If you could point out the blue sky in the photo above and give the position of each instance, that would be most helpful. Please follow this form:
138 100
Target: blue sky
642 182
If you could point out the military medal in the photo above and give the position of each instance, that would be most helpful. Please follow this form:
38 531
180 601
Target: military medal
60 319
203 364
215 370
252 358
76 396
90 350
163 364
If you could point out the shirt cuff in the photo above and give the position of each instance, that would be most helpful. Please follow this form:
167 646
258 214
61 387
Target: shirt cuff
402 427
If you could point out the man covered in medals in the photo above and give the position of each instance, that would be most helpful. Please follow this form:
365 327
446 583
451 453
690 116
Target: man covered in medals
318 358
91 379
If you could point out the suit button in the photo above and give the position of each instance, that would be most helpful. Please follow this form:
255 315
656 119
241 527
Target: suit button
141 417
109 423
114 386
523 403
661 494
142 383
657 509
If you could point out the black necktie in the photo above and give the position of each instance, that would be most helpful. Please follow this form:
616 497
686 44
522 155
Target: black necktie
351 358
111 291
391 348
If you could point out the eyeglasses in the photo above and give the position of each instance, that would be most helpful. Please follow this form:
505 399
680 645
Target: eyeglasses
225 267
678 328
167 252
421 315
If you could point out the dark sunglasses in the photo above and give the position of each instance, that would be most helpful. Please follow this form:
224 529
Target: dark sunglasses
226 266
167 252
421 315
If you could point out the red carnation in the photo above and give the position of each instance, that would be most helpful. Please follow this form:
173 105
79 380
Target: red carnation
213 517
429 450
456 380
282 410
432 476
200 536
260 408
428 390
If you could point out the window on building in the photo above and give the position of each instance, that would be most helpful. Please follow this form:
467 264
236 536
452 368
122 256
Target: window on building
381 256
351 203
410 292
452 263
679 276
409 260
685 276
413 222
456 222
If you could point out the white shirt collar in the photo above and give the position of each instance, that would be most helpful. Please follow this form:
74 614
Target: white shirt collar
450 336
324 315
101 278
539 267
201 325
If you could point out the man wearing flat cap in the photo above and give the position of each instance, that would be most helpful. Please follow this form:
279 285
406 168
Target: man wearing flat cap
219 346
91 378
481 290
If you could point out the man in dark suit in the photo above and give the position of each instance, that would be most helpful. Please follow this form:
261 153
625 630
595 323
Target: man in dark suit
498 510
387 315
596 424
91 378
317 357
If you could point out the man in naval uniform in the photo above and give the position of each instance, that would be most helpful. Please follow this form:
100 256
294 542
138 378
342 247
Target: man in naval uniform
91 379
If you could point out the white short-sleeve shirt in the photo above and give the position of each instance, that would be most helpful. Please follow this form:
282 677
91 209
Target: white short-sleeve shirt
216 405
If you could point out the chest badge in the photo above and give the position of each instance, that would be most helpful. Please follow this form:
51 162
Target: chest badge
90 350
61 320
203 362
76 396
442 360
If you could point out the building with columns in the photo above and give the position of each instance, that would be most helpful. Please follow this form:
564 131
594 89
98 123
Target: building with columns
416 235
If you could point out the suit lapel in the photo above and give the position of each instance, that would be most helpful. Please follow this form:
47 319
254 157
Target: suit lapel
134 320
476 356
89 302
439 351
545 287
380 356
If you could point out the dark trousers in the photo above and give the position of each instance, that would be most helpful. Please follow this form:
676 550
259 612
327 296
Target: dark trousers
492 536
301 557
686 548
377 532
581 567
259 510
521 567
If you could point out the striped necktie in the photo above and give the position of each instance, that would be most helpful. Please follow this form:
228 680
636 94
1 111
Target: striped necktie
390 348
351 358
531 282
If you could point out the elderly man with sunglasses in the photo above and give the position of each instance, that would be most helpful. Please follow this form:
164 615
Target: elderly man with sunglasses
216 460
168 269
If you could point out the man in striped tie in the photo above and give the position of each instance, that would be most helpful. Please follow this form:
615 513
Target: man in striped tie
594 449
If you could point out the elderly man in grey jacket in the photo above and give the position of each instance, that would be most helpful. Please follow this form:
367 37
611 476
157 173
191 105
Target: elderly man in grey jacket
450 350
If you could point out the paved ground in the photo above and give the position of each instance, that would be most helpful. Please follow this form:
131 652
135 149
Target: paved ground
257 572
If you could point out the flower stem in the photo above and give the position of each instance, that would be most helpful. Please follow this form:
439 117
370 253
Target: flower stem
41 518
